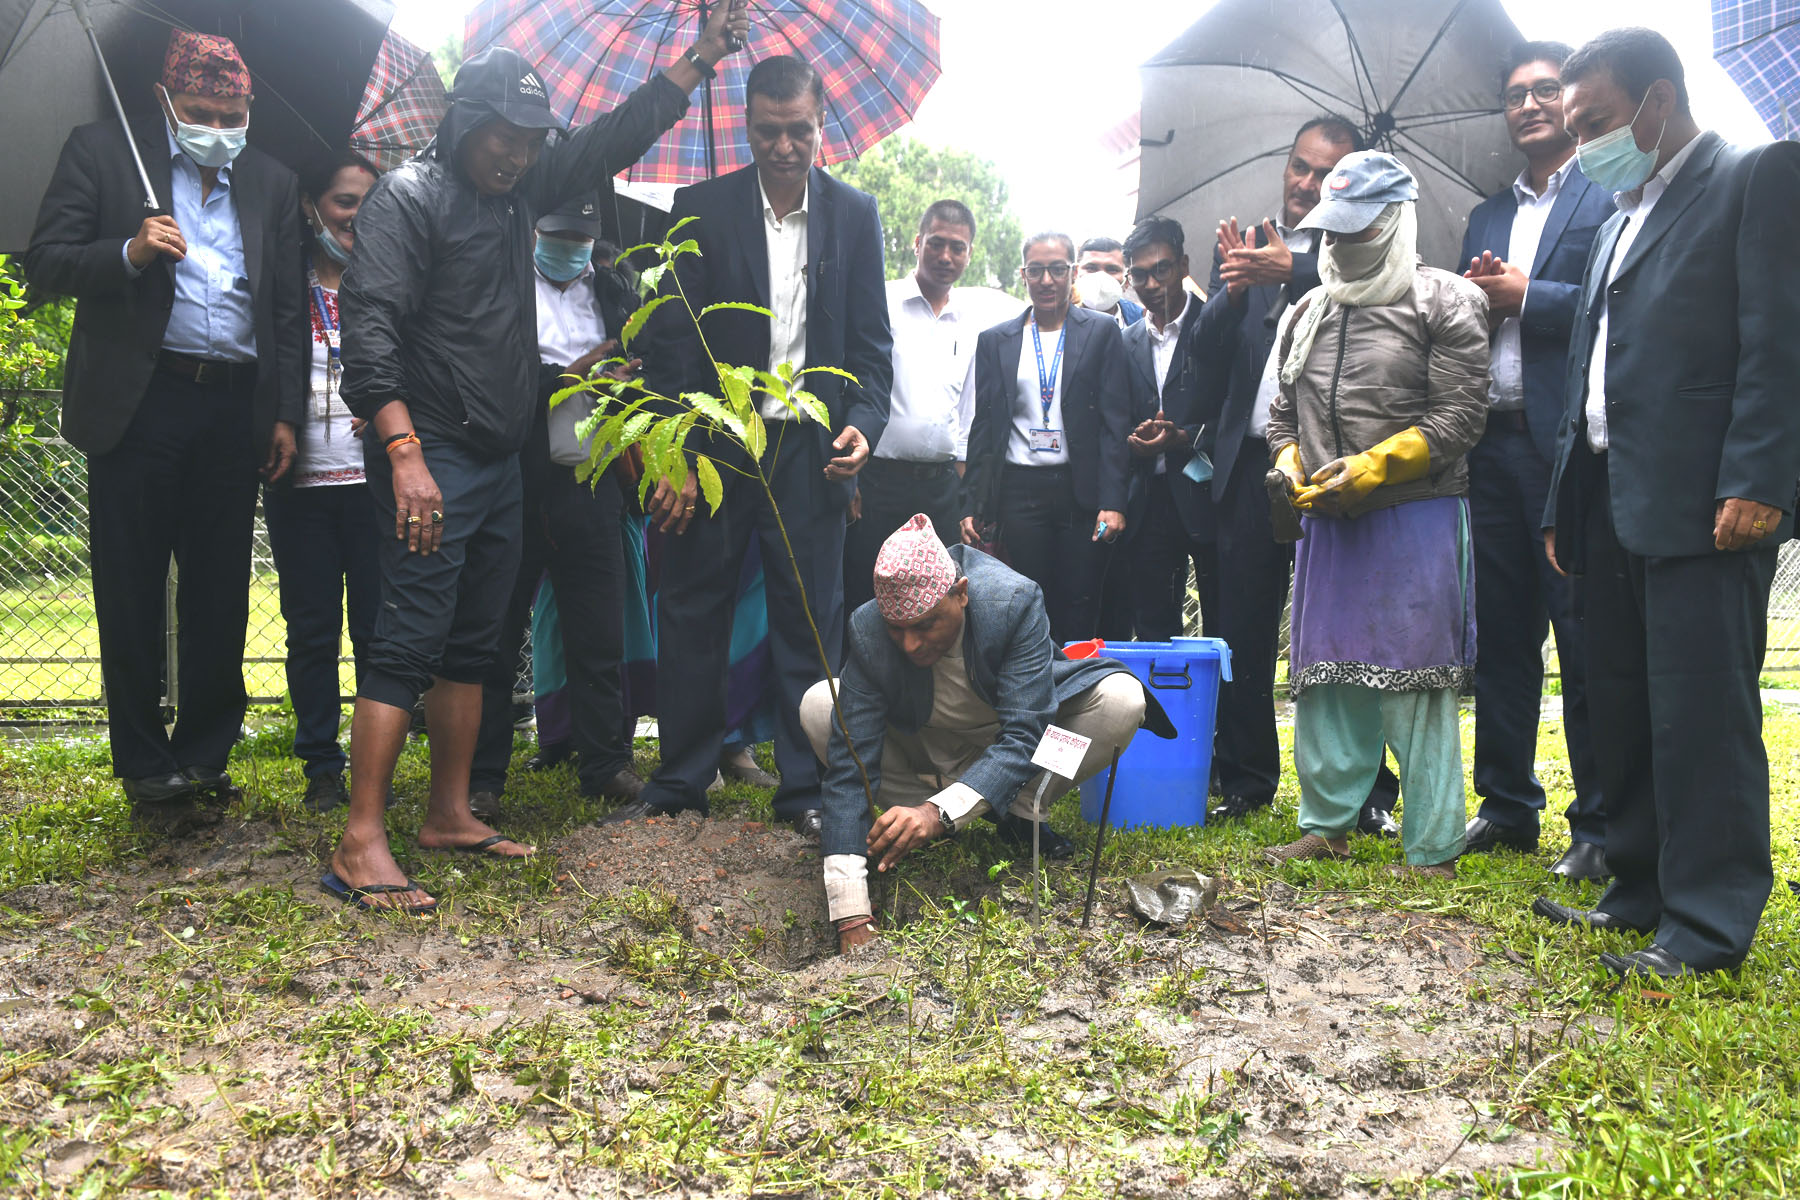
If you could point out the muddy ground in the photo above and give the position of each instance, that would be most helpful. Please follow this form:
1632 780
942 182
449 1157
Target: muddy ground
206 1019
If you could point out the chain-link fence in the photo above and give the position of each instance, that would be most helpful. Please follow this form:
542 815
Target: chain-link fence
50 648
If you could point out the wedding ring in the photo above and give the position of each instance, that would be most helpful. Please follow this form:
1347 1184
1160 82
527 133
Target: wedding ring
413 520
1759 524
689 510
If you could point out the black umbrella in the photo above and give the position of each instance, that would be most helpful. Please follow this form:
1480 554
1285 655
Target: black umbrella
309 59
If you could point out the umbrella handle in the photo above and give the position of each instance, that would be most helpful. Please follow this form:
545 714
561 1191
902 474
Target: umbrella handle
87 24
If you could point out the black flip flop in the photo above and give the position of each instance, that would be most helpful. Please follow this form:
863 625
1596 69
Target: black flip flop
359 896
485 848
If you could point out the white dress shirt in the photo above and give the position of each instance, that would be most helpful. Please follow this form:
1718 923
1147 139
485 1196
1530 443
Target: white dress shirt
1301 241
786 237
569 322
1506 366
1637 207
1162 356
933 399
1028 408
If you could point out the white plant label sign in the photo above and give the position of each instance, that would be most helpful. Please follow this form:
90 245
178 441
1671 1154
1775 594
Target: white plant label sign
1061 751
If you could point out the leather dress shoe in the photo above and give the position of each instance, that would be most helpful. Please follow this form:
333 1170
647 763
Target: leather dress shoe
325 792
167 804
1588 918
747 772
213 787
159 789
549 756
1652 962
1016 832
1482 835
638 810
1235 808
484 803
624 785
810 824
1582 860
1376 822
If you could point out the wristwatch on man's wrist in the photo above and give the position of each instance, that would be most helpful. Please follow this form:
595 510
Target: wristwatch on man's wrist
700 64
946 827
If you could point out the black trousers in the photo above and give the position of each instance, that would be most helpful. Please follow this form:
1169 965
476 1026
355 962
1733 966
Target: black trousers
1049 539
892 492
181 482
1518 598
1675 650
695 599
572 531
327 549
1157 558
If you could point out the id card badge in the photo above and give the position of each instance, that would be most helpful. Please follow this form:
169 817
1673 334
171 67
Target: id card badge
1046 441
1199 468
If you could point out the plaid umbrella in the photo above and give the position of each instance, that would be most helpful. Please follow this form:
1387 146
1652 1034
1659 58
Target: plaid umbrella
1758 44
401 106
878 58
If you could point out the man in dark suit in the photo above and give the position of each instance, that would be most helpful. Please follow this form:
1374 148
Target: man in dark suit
785 236
1048 465
1252 285
1526 248
186 371
1674 486
1177 522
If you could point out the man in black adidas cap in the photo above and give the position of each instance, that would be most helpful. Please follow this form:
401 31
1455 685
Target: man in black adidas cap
439 313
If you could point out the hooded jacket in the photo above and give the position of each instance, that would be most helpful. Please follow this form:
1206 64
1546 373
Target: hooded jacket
438 305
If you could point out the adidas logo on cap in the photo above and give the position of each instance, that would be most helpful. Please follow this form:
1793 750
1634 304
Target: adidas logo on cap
532 86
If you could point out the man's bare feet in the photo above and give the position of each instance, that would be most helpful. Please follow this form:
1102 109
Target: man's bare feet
461 831
365 863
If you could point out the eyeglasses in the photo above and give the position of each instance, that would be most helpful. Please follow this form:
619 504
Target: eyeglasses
1544 91
1159 271
1036 271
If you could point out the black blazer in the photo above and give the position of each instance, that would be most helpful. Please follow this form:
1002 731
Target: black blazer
1581 208
1231 347
1096 412
93 206
846 301
1703 358
1179 401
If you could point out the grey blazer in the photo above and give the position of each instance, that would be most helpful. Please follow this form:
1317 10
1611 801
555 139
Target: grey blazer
1703 358
1012 665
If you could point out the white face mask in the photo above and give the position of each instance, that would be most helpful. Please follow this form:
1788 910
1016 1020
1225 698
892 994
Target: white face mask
1099 291
207 146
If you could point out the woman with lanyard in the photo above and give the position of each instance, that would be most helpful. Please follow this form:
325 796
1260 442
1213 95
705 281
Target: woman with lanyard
1384 376
1048 464
321 529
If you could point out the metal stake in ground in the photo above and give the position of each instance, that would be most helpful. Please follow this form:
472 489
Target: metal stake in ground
1059 753
1087 909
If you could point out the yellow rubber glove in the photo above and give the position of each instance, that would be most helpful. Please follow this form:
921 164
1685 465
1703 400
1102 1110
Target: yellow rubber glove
1287 461
1339 484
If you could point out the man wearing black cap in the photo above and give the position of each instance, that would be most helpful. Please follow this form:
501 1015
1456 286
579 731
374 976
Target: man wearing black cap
439 311
571 527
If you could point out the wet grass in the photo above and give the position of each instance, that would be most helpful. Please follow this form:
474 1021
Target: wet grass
247 1037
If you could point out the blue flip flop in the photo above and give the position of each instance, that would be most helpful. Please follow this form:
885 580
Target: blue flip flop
359 896
485 848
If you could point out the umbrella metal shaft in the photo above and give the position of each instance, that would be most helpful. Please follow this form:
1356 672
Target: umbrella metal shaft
87 26
1087 909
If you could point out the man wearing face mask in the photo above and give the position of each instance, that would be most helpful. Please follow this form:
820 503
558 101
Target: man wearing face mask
1674 486
440 358
186 372
571 526
1100 281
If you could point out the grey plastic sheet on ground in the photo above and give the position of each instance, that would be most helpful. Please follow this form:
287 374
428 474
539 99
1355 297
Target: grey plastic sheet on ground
1172 897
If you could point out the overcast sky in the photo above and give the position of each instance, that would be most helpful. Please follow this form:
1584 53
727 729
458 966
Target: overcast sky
1037 94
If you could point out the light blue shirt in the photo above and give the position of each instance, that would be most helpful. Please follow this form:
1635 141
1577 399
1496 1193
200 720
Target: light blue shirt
212 316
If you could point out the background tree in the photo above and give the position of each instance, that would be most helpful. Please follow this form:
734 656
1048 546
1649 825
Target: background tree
905 176
448 56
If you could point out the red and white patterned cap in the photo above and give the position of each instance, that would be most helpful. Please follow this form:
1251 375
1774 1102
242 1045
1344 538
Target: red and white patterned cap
201 64
913 572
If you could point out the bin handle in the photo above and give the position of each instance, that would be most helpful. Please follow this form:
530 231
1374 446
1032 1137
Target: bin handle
1184 675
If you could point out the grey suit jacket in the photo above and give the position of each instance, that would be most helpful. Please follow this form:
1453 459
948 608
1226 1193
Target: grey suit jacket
93 206
1012 665
1702 361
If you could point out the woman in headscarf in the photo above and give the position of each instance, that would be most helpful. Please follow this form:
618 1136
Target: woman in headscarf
1384 372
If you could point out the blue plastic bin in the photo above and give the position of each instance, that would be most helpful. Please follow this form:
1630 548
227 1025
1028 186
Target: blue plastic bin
1163 783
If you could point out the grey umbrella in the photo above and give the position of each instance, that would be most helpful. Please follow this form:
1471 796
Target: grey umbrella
309 59
1420 77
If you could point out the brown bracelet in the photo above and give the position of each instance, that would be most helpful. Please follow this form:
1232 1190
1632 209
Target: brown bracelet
849 923
404 439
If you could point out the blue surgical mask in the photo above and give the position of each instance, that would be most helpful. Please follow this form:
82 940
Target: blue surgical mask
334 249
561 260
205 145
1614 161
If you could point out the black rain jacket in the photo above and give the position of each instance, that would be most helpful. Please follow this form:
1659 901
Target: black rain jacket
438 306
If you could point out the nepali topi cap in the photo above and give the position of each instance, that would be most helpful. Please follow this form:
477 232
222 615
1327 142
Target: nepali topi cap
199 64
913 572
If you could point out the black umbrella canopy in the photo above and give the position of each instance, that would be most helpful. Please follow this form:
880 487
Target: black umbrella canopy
1421 78
309 60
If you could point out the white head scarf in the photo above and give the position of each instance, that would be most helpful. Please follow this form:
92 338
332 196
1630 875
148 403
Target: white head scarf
1361 275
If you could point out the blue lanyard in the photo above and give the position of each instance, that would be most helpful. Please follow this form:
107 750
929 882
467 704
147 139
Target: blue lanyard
1047 383
326 319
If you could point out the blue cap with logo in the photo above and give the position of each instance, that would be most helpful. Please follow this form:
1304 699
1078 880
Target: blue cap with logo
1357 190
